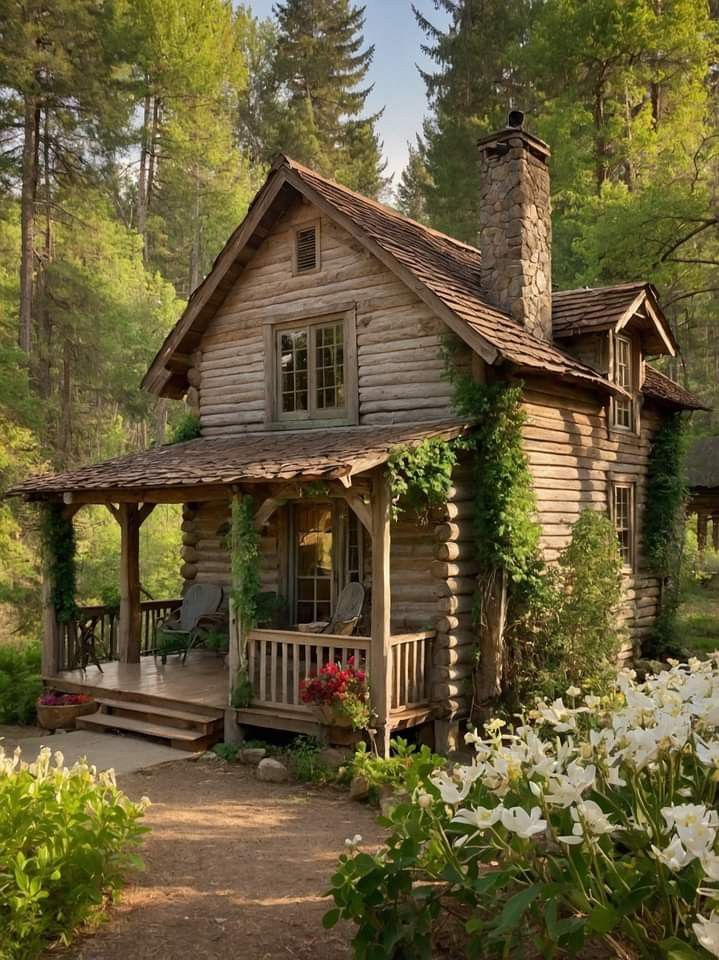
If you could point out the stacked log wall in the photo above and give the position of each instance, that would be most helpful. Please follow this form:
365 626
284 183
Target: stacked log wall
572 455
398 338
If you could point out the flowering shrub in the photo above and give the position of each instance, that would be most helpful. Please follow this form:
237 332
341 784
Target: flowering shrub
343 689
55 699
591 820
66 838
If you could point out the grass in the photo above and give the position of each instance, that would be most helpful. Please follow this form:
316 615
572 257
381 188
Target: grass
699 613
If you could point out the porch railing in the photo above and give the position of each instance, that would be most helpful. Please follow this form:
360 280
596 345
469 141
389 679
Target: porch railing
279 659
103 620
411 663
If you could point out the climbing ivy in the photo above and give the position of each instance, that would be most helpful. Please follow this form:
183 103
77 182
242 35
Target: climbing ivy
58 538
245 565
420 477
664 522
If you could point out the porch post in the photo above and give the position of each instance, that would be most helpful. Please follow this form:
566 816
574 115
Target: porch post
130 517
380 668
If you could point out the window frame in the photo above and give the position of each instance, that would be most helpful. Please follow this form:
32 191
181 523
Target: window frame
297 229
623 403
616 484
314 416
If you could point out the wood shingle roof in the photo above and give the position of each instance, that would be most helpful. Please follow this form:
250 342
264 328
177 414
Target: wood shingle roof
320 454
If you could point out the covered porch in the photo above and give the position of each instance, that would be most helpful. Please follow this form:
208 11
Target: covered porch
348 472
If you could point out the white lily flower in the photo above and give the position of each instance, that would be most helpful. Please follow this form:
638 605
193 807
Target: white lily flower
524 824
674 856
352 842
710 865
480 817
706 930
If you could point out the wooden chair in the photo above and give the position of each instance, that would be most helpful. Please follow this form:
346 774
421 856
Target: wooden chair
348 610
200 611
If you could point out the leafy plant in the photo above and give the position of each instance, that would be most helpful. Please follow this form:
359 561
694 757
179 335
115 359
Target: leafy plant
20 683
58 537
66 839
420 477
188 427
245 565
228 751
594 820
216 640
381 771
305 761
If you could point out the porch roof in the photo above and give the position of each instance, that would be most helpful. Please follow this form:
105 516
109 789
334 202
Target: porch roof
309 454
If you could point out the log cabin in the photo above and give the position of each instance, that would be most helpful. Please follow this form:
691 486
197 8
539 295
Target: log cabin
310 352
703 482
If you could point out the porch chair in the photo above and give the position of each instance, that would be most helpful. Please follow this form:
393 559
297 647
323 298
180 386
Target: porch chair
199 612
346 616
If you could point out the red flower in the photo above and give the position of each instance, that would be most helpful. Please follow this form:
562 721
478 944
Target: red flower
333 684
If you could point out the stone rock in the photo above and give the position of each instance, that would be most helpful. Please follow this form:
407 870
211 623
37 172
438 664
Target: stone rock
272 771
251 755
334 757
359 788
389 797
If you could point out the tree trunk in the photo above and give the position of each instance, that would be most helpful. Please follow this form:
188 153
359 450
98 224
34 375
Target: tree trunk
195 248
44 346
600 143
27 220
489 674
142 181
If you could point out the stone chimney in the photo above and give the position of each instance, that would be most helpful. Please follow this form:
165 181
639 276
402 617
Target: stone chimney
515 227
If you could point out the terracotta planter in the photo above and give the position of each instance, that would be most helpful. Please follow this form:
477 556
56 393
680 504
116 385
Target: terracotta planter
63 718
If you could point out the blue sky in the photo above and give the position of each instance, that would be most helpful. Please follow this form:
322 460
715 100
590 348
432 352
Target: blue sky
391 26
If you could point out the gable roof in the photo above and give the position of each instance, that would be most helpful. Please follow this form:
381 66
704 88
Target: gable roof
443 272
664 390
591 309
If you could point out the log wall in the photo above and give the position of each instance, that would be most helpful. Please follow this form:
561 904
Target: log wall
398 338
572 456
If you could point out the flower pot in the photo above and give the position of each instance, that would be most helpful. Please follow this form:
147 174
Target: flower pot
63 717
330 716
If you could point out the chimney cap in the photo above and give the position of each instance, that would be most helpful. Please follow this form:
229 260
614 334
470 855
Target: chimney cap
515 119
514 130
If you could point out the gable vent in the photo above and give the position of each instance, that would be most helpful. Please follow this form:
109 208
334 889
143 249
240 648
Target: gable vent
306 249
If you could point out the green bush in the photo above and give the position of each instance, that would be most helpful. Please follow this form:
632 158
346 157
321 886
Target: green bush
20 683
66 838
186 428
393 770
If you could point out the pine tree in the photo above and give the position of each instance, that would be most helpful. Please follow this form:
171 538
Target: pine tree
414 185
320 67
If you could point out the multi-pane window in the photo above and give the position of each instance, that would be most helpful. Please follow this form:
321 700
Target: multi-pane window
311 371
623 511
313 562
354 548
623 378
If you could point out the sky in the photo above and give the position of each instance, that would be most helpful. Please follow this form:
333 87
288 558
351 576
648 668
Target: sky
391 26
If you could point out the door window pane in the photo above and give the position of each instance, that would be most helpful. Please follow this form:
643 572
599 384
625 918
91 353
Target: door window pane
313 561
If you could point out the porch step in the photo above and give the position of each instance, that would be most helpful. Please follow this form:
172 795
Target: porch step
145 723
168 716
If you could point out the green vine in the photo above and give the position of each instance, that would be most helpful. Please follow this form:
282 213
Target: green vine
58 538
420 477
245 566
664 522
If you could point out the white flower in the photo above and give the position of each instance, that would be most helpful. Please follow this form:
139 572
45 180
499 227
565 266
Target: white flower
352 842
566 789
689 815
574 692
591 701
450 791
708 753
524 824
593 816
710 865
674 856
480 817
707 933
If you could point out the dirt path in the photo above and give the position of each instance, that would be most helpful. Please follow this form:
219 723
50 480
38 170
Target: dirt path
235 869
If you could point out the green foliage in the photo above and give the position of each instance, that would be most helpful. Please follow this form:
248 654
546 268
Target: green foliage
244 560
66 839
58 536
227 751
188 427
420 476
570 635
305 762
20 683
393 770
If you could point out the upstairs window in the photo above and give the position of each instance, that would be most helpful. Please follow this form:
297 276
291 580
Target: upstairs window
310 361
623 407
306 249
623 515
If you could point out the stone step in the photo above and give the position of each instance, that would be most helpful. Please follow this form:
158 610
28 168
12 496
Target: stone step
181 739
169 716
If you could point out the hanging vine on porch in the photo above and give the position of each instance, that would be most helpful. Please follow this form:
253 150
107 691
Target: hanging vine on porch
58 539
245 566
664 523
420 477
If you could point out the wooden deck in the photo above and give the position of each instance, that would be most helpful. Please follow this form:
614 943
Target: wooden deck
201 683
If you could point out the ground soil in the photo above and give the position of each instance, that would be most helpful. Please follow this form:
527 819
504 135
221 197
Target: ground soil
235 868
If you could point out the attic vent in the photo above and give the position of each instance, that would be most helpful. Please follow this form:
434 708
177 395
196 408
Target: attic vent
306 249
